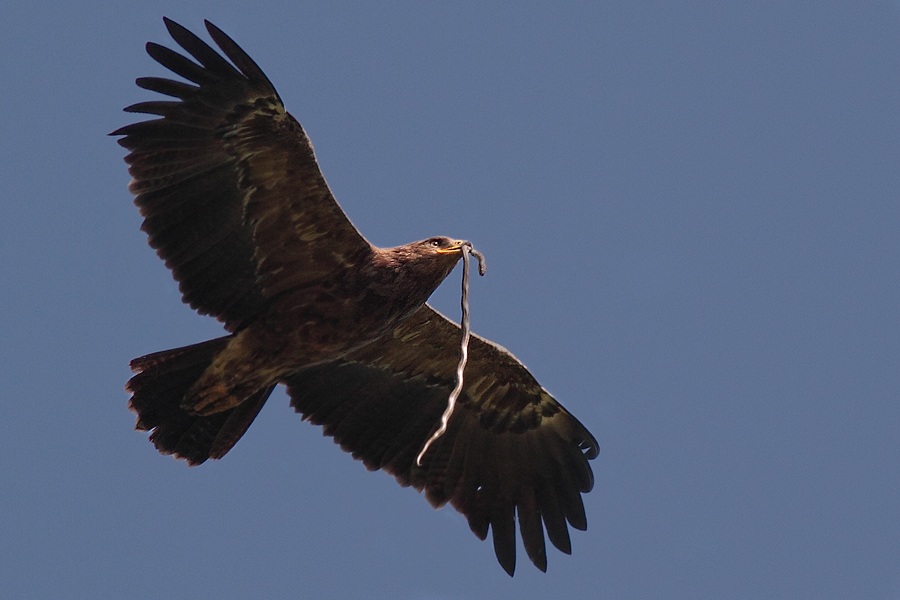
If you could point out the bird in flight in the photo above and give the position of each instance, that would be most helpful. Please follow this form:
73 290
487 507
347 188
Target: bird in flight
235 204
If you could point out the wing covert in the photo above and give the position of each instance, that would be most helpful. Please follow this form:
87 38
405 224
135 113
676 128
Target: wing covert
227 182
510 449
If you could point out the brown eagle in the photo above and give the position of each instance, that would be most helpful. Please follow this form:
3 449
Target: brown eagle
233 201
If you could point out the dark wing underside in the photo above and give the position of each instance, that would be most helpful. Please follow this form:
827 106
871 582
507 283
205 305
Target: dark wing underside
227 182
510 448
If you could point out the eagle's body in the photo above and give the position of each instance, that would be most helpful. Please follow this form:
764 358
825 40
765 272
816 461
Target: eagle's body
323 322
234 202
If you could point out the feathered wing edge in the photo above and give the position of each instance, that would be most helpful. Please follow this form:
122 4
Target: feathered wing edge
186 181
510 450
228 184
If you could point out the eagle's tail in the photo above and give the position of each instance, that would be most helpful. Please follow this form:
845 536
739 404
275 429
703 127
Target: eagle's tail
158 389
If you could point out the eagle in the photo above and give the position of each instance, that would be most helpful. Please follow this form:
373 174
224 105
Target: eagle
235 204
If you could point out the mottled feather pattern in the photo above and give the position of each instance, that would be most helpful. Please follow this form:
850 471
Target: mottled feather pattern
158 387
538 451
227 180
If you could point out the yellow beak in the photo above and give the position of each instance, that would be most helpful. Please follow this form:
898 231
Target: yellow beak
455 248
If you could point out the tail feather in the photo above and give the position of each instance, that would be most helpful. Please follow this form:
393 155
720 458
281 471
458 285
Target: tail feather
158 388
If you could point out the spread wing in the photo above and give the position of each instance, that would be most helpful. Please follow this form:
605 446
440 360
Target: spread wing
228 184
510 448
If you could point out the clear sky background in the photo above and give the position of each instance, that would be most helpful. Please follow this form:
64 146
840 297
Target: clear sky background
690 214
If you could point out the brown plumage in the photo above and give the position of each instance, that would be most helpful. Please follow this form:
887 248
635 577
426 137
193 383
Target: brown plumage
233 201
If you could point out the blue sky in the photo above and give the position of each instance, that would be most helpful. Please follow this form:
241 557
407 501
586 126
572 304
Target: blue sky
690 214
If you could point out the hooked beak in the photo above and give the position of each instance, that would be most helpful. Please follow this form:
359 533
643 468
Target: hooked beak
456 248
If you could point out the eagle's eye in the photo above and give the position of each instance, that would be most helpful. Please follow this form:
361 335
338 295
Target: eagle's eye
436 243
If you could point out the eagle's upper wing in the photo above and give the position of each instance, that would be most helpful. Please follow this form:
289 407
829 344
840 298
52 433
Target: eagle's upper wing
510 448
227 182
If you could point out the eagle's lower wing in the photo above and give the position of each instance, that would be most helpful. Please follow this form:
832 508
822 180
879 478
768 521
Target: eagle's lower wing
510 448
228 184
